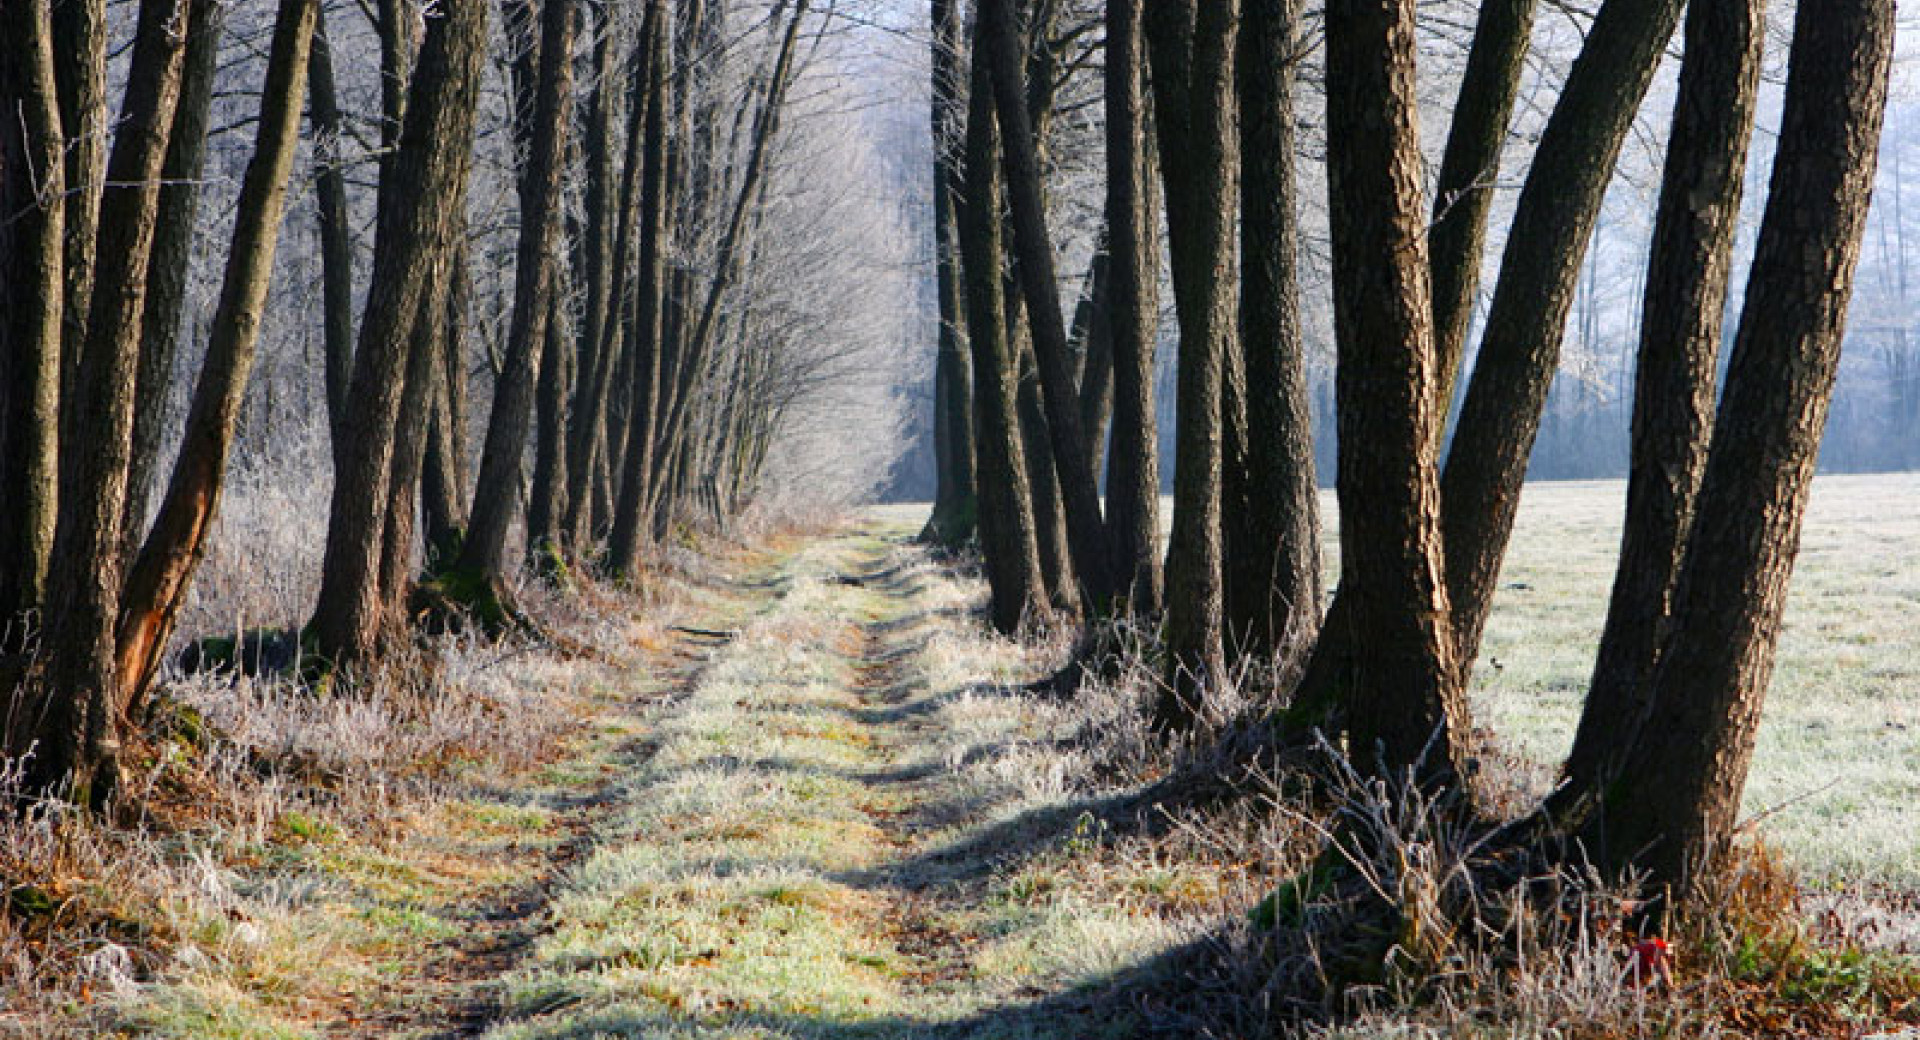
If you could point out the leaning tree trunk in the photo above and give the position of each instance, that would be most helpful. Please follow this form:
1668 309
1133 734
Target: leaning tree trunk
32 193
1408 685
1273 570
1680 331
1008 539
494 498
1520 350
172 261
1133 467
429 169
79 721
1191 46
163 572
1673 808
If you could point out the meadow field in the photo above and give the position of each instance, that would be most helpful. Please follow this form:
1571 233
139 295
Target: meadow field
1836 780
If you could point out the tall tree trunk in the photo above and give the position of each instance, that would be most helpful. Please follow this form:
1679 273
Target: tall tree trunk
1092 337
1679 796
32 193
1007 535
1273 572
429 172
644 335
485 550
158 582
1192 55
78 721
1133 467
172 262
547 510
1043 479
1520 350
1469 171
998 35
587 427
1408 684
336 242
955 507
1685 299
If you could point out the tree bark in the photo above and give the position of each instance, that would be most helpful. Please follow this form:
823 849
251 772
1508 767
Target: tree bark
79 719
1408 686
1273 573
428 173
1191 47
1079 490
1007 535
484 552
1685 300
1133 467
80 71
587 427
1674 807
172 261
32 194
443 474
161 575
547 509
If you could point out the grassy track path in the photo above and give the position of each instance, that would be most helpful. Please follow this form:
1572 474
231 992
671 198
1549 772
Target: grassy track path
795 855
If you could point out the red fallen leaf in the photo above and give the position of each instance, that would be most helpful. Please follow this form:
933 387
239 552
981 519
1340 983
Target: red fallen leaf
1650 961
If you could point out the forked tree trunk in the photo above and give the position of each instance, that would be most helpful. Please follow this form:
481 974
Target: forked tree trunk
1192 56
1680 331
1273 540
1007 536
1674 806
428 172
1520 350
485 550
78 721
1407 686
32 192
163 572
1133 467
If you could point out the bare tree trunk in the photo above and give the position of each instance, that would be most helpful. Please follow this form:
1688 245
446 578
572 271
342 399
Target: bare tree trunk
1408 684
443 474
336 243
1043 479
1680 332
1079 490
158 582
429 172
80 72
484 553
1007 535
1674 806
547 509
78 722
630 517
1133 467
32 194
1191 46
1092 338
595 348
172 261
1273 570
955 507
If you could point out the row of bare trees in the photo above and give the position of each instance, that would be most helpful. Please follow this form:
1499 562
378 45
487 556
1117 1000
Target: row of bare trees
638 385
1199 110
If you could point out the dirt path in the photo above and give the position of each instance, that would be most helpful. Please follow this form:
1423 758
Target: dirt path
801 850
